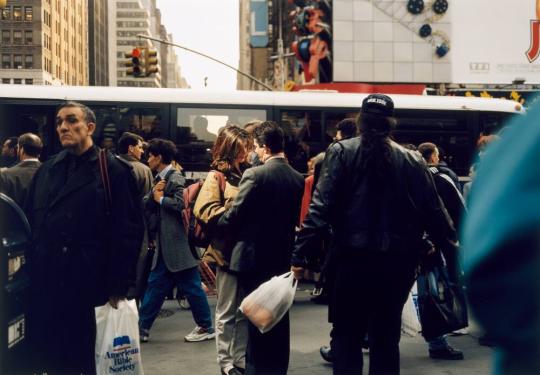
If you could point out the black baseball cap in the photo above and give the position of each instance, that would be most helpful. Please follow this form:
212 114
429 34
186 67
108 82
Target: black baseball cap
378 104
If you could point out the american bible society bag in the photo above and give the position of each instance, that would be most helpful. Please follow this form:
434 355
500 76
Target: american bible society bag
118 349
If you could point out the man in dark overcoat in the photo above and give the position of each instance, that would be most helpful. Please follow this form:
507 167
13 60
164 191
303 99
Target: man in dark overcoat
84 246
263 217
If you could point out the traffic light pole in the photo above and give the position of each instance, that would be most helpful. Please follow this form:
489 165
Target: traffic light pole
208 57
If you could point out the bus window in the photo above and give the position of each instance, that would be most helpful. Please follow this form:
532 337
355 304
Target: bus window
203 124
197 129
493 122
331 119
306 125
113 121
447 129
17 119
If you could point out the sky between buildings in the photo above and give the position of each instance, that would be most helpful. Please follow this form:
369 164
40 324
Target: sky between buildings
210 27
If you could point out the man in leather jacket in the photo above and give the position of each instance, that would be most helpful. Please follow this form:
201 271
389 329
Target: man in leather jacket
379 199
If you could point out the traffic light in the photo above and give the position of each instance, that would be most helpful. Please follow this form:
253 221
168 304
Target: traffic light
151 62
135 65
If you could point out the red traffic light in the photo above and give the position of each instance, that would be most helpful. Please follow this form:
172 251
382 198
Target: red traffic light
136 52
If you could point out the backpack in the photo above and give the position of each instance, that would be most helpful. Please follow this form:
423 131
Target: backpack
196 233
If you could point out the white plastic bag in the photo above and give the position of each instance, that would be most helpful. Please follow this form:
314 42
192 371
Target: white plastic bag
118 349
267 304
410 325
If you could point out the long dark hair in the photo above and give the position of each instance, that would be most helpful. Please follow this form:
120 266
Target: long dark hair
377 170
231 141
375 147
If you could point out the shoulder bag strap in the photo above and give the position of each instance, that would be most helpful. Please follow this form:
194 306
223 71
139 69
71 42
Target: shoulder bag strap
102 156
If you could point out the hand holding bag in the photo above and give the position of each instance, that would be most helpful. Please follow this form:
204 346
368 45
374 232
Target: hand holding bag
267 304
117 339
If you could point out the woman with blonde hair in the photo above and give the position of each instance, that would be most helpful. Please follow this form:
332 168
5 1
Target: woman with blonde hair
228 163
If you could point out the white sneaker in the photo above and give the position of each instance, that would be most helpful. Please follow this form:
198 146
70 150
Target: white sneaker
183 303
200 334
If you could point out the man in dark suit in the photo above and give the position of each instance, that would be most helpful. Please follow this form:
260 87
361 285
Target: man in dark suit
15 181
174 263
86 236
263 216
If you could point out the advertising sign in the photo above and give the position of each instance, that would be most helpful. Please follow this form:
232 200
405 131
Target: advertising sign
258 23
496 41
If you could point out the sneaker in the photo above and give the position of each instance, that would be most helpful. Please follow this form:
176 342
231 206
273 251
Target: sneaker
200 334
183 303
326 353
144 335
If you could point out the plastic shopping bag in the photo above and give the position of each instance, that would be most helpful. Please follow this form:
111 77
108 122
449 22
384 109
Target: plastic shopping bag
267 304
410 324
118 349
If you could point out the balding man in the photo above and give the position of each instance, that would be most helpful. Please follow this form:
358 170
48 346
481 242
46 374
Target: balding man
15 181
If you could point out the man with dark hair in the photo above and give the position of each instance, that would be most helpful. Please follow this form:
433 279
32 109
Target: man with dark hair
9 152
431 153
439 348
86 236
130 147
379 199
174 263
263 217
15 181
346 129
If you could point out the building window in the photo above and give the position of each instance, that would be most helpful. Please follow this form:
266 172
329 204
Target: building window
17 81
17 61
6 81
6 61
28 62
28 37
17 37
28 14
6 13
6 37
17 13
29 81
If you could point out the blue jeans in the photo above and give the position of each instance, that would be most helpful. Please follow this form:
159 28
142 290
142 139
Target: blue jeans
161 281
438 343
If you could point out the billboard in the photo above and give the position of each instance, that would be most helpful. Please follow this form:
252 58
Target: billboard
496 41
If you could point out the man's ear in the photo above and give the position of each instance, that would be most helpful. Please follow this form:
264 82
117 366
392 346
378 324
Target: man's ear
91 128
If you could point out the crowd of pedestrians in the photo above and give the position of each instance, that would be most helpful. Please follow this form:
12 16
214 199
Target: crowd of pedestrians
107 227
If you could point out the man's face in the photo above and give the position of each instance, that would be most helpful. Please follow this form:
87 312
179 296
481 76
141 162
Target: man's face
260 150
435 157
339 136
7 151
136 151
73 130
153 161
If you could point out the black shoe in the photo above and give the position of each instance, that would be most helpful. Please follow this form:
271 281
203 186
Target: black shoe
326 353
233 371
485 340
446 353
321 299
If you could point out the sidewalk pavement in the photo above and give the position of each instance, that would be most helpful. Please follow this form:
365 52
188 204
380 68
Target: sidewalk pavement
167 353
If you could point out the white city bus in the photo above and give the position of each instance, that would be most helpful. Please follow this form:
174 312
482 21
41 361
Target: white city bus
191 118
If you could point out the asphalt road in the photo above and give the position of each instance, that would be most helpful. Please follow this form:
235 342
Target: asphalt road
167 353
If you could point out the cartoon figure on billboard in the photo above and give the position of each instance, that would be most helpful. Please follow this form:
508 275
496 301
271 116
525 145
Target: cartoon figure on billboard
534 49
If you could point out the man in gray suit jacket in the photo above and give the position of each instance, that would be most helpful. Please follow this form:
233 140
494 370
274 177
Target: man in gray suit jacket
174 263
263 217
15 181
130 149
